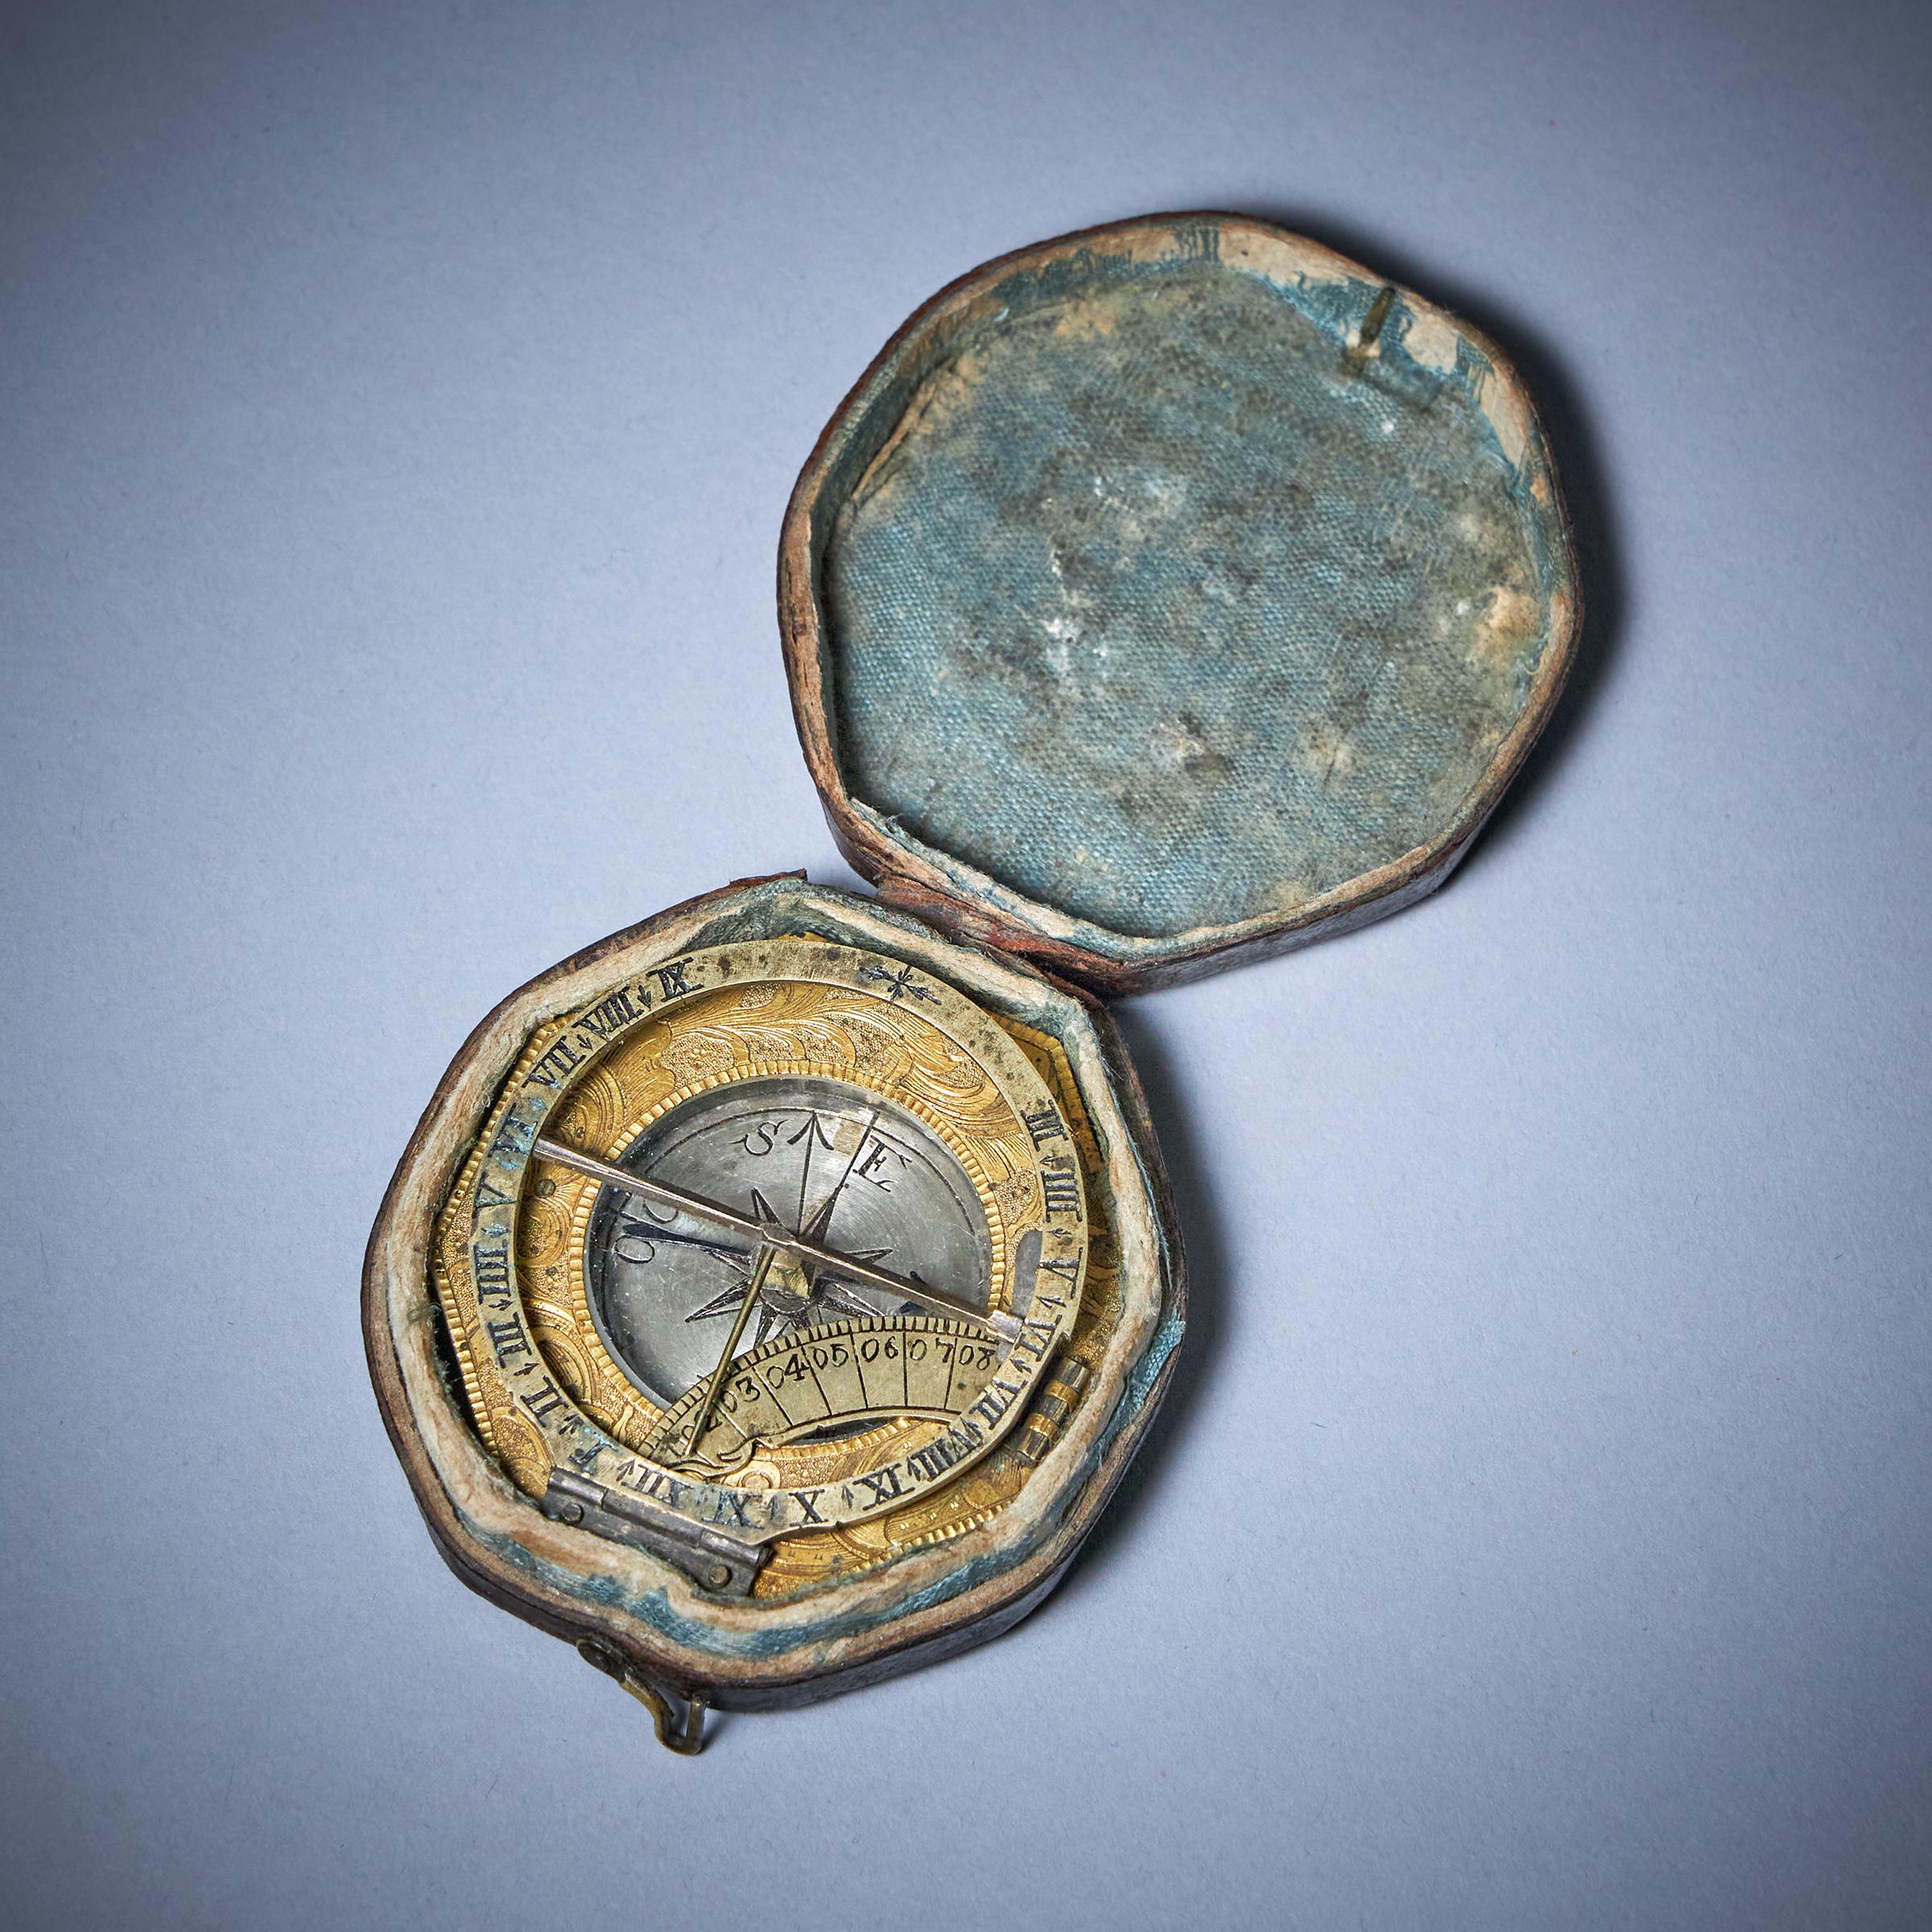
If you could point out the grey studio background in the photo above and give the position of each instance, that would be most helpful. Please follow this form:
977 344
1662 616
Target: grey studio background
399 406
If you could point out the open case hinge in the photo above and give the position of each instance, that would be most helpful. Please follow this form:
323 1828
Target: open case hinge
713 1560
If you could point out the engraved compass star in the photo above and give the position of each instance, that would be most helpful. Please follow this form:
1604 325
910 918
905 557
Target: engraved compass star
782 1307
901 981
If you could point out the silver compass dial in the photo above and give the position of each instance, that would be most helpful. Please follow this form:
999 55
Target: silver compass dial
853 1171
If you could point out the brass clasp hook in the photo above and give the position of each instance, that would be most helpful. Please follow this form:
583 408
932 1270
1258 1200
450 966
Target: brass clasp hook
684 1733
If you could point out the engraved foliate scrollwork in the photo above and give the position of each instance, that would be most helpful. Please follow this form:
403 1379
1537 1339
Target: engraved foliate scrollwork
773 1239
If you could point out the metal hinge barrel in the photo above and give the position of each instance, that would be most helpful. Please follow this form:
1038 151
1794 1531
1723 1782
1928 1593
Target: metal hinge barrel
714 1561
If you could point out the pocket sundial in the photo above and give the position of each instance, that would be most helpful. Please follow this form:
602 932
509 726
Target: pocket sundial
773 1293
795 1227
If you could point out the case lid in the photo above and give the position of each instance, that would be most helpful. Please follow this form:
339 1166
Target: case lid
1170 589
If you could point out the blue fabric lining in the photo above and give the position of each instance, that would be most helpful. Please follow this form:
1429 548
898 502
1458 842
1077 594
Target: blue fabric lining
1147 598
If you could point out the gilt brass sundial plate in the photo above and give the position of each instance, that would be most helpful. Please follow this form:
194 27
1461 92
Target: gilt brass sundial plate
772 1295
818 1089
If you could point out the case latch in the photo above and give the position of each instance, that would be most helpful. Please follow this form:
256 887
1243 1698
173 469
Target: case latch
683 1734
